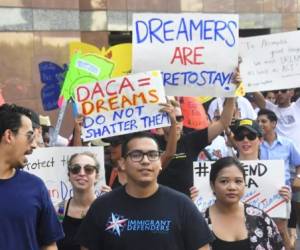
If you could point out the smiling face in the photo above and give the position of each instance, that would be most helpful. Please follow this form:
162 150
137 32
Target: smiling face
23 143
247 144
229 185
83 180
142 173
267 125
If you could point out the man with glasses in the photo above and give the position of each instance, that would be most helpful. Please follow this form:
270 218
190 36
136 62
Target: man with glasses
27 217
288 113
143 214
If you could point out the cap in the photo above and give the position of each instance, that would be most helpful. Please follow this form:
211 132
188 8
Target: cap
249 124
45 120
99 142
115 140
35 119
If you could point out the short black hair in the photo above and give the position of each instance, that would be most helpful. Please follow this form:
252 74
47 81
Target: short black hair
10 117
132 136
269 113
223 163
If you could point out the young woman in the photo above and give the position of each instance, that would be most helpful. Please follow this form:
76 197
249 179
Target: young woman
237 225
247 137
83 170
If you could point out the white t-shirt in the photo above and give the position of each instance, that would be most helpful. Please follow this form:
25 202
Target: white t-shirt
288 120
217 149
243 105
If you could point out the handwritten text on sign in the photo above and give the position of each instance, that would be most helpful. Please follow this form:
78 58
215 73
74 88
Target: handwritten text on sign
271 61
197 53
261 189
50 164
122 105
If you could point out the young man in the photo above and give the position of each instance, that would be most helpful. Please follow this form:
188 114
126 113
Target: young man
143 215
27 217
288 113
275 146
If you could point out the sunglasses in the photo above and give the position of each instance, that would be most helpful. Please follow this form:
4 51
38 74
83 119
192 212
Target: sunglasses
281 90
76 168
241 136
179 118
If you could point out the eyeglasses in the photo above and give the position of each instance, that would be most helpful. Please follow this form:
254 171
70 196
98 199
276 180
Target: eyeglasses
76 168
179 118
138 155
241 136
30 136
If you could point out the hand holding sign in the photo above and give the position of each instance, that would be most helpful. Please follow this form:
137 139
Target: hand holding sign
168 108
121 105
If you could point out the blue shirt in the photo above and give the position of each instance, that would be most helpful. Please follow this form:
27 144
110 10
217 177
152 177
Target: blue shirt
27 217
281 149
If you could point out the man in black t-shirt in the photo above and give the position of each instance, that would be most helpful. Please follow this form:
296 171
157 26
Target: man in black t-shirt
142 214
178 173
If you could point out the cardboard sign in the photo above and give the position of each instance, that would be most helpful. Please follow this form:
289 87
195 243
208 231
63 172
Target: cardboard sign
84 68
120 54
121 105
197 53
271 61
50 164
263 180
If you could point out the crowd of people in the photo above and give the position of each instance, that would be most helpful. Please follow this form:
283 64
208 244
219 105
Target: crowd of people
147 200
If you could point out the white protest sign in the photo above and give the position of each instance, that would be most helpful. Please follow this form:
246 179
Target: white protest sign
271 61
121 105
197 53
50 164
263 180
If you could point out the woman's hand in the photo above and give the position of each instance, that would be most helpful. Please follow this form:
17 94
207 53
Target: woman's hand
105 189
285 193
194 192
168 108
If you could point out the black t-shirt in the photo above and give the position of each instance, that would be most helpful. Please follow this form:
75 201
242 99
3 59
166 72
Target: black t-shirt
70 227
179 172
167 220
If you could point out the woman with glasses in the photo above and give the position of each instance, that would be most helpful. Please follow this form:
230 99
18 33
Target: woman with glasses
247 137
83 170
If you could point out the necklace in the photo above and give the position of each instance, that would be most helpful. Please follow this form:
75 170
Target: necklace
83 214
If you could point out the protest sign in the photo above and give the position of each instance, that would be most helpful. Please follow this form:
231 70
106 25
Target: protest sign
52 75
85 68
50 164
194 113
263 180
121 105
271 61
119 54
197 53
